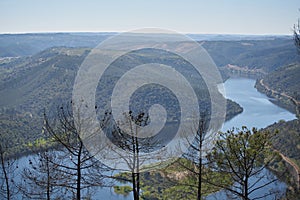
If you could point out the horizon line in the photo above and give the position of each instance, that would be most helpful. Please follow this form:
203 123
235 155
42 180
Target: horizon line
118 32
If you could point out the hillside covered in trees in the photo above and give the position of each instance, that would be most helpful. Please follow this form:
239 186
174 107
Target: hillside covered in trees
283 84
28 85
38 74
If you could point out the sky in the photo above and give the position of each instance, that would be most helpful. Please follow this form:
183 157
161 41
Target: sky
183 16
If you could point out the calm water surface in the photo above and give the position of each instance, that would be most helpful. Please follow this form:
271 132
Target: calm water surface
258 112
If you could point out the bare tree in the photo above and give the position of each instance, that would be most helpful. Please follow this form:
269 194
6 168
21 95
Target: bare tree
194 158
43 179
7 171
194 163
78 165
243 155
129 141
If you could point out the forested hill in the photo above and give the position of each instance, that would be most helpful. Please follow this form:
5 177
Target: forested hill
34 76
287 140
287 143
266 55
283 84
285 79
28 85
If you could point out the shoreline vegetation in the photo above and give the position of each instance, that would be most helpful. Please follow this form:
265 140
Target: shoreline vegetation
166 182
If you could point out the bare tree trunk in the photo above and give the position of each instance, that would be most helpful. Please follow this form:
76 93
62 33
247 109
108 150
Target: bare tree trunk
5 174
138 185
78 188
201 135
137 166
134 186
135 175
200 169
246 189
48 178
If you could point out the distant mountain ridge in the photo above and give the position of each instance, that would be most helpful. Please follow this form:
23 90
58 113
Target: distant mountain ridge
16 45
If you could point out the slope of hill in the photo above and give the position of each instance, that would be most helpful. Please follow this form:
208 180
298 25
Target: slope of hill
29 85
266 55
284 85
287 142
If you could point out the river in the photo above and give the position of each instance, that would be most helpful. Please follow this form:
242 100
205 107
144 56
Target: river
258 112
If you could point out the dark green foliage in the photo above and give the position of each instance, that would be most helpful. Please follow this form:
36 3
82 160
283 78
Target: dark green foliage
18 130
243 154
124 190
172 182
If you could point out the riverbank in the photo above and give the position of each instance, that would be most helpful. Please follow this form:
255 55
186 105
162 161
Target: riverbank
283 85
280 98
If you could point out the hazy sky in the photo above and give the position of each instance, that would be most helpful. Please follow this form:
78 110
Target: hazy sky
185 16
